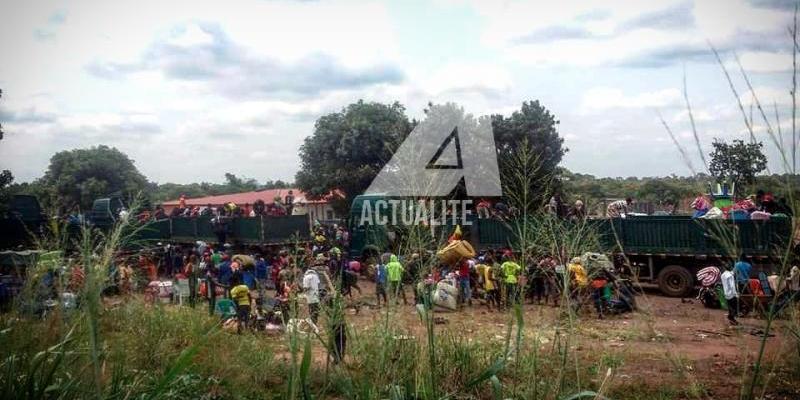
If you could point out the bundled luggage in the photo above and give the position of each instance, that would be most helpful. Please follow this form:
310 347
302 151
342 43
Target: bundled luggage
596 262
455 251
446 294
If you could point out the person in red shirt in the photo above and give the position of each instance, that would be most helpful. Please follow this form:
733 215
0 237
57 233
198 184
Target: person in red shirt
464 289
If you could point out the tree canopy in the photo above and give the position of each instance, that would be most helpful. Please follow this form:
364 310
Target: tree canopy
348 148
78 177
738 161
535 125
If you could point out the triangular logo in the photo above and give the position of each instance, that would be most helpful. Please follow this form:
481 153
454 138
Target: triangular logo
435 157
448 156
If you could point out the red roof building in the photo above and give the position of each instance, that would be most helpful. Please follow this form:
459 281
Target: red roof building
315 209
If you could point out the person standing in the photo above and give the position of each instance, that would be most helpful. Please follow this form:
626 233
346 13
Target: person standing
240 294
464 289
731 295
394 272
380 284
211 289
190 270
511 271
741 271
489 284
311 291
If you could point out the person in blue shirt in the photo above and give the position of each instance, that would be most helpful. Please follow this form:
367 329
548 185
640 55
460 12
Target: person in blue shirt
381 276
225 271
262 268
249 278
742 270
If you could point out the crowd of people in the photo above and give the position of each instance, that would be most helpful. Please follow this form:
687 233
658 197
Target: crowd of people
729 287
274 278
265 283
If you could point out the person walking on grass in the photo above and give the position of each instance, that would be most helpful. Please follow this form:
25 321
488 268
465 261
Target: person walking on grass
190 270
311 291
380 284
240 294
511 271
394 271
731 295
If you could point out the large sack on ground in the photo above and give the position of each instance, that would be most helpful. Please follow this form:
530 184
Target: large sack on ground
444 299
455 251
448 286
244 260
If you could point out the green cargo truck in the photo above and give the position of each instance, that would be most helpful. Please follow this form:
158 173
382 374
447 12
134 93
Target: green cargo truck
664 250
669 250
261 230
23 221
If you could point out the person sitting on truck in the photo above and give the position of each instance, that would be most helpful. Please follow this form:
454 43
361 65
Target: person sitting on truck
700 205
484 209
577 212
619 208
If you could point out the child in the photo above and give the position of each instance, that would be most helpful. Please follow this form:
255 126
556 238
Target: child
380 283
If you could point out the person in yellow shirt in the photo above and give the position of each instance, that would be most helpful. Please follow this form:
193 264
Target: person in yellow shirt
577 273
240 294
489 284
578 281
511 271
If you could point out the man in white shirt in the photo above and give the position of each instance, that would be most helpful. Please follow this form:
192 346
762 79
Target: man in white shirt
731 295
794 279
311 290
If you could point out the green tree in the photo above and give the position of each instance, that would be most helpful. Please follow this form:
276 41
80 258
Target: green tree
349 148
535 125
78 177
238 185
278 184
738 161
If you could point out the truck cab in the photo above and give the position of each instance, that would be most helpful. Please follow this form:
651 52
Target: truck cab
365 236
105 211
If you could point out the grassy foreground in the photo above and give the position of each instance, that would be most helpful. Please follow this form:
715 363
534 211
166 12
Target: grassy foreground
179 352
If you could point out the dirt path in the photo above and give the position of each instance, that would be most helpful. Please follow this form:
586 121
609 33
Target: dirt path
669 342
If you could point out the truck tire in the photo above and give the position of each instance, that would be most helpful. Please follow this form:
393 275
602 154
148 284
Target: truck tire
675 281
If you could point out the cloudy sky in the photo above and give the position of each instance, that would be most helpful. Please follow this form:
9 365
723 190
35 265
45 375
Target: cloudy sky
191 90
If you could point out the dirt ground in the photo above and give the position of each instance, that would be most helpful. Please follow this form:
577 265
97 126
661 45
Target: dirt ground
668 342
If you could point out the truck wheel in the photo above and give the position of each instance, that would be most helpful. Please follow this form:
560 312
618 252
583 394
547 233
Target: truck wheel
675 281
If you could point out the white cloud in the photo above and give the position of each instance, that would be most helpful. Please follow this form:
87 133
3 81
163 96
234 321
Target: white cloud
601 98
767 96
764 62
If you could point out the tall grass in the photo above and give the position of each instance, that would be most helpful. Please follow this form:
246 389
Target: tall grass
754 382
